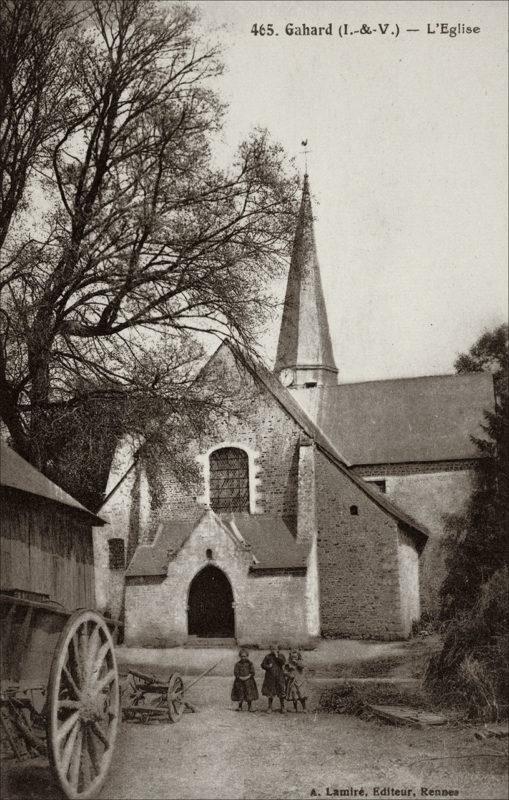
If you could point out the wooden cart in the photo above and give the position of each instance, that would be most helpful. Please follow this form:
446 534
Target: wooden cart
59 677
146 697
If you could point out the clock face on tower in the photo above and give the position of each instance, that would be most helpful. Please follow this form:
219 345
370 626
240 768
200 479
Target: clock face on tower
286 376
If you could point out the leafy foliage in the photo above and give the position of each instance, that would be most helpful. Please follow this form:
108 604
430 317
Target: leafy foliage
476 543
489 354
471 671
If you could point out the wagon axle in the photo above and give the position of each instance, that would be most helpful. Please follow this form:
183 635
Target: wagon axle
149 697
92 706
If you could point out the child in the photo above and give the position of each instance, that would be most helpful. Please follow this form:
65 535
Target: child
244 686
296 688
274 681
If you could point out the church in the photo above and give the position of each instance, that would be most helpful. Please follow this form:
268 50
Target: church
319 509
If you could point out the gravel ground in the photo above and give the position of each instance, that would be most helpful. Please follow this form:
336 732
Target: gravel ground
220 753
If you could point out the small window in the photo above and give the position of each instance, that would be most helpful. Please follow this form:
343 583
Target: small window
208 553
354 511
229 480
117 553
381 485
310 384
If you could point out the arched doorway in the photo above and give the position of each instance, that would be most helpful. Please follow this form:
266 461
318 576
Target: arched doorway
210 605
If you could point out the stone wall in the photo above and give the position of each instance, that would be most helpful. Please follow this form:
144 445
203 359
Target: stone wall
269 436
428 497
313 593
128 512
409 581
267 607
355 559
358 560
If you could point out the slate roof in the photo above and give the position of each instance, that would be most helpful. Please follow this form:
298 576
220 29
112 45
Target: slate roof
304 338
17 473
402 421
153 559
270 539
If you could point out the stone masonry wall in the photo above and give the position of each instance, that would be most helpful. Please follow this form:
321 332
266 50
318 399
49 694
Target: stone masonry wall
409 581
127 512
358 561
267 607
428 497
357 555
265 430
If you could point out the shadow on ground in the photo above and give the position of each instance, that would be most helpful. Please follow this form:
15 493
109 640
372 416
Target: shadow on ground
29 780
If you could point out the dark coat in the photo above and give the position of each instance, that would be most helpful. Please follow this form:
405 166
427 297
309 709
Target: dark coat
244 687
274 681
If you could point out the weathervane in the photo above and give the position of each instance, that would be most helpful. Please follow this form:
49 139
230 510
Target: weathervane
305 153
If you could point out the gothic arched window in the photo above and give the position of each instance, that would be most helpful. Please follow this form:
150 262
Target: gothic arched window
229 480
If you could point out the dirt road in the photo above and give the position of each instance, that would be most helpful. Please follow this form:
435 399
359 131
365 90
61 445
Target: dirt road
220 753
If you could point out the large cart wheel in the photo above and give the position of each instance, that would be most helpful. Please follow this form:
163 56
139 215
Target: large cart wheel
83 705
175 697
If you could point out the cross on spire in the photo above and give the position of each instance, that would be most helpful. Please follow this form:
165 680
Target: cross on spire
305 152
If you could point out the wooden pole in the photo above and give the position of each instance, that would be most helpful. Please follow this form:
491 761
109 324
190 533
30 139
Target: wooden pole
186 688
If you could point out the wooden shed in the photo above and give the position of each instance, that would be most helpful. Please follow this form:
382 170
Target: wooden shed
46 565
45 538
59 684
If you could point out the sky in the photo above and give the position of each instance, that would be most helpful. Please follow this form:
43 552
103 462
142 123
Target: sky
408 167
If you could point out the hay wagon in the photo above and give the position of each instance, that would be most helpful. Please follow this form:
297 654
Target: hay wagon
59 677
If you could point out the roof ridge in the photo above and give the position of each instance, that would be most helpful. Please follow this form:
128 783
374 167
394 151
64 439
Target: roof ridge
394 380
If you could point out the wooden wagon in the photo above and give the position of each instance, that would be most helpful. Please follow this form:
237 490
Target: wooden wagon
59 677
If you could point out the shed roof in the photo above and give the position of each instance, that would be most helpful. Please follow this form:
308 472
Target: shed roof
17 473
402 421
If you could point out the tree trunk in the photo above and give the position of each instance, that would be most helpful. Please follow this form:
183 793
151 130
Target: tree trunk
39 356
11 418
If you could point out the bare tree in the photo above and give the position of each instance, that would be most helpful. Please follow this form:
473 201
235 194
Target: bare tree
34 73
142 233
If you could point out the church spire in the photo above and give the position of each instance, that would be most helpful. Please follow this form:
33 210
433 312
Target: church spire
304 352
